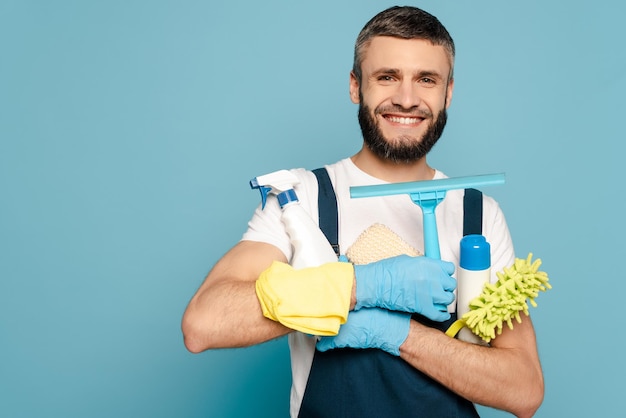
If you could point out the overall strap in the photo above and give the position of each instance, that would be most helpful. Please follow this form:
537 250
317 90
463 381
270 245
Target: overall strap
472 212
327 212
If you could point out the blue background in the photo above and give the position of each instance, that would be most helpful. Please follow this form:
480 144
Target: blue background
129 131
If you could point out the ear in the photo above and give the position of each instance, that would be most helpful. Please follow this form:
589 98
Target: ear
449 90
354 88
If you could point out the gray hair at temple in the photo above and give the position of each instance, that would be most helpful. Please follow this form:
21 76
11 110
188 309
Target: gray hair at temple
404 22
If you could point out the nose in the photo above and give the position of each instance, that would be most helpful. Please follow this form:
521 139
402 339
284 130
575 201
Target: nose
406 95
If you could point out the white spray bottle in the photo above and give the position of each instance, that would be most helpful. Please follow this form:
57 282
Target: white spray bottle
310 249
474 272
310 246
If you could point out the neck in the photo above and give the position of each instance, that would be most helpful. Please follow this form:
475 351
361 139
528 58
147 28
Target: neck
390 171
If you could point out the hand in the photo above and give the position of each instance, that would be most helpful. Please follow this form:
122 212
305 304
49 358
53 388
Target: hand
409 284
313 300
370 328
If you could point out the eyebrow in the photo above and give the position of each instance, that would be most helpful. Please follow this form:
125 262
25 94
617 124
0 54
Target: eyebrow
428 73
386 71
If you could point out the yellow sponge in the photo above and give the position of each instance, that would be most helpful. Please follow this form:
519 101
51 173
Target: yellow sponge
376 243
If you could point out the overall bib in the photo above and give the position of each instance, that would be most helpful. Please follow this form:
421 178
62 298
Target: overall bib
371 383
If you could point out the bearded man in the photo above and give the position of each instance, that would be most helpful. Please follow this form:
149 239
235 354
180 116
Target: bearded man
389 357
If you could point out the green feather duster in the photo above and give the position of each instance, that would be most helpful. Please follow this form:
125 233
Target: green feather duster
499 303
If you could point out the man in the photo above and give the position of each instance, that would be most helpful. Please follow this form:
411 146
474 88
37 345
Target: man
390 357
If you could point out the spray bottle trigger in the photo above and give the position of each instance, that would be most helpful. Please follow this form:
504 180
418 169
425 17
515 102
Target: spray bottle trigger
264 190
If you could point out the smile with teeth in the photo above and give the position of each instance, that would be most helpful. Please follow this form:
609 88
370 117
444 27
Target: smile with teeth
403 120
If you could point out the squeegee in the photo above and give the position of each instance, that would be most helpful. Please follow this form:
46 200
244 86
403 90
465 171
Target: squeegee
428 194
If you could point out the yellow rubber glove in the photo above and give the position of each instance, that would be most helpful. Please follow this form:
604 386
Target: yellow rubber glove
312 300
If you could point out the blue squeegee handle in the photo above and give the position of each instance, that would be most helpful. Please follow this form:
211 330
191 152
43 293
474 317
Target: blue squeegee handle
431 237
428 201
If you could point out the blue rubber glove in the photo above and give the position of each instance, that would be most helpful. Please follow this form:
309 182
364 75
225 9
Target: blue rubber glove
370 328
409 284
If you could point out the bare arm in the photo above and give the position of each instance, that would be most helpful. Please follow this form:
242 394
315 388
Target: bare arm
506 375
225 311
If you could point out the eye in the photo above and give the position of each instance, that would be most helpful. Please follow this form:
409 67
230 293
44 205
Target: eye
428 82
385 78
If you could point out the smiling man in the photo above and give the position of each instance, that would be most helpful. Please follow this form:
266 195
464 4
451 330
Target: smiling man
390 356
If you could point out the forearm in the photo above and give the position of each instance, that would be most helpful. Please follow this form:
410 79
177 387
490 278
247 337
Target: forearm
225 311
227 315
505 376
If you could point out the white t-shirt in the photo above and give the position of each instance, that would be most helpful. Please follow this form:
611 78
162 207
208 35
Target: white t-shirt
399 213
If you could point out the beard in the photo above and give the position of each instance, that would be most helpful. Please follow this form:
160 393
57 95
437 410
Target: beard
403 149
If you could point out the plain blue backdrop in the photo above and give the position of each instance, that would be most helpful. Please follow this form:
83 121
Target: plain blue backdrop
129 131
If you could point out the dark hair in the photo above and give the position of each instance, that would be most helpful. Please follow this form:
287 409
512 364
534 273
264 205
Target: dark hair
402 22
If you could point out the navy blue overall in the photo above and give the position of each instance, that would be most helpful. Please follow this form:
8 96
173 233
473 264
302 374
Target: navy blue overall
346 383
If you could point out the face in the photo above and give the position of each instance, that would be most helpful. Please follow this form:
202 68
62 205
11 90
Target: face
403 96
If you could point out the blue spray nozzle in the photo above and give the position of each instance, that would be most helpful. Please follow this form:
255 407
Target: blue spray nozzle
428 194
280 183
254 184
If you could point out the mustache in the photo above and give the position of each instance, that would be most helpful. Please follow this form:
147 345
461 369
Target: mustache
413 111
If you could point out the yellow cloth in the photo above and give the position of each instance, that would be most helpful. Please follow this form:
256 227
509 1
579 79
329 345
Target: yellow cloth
312 300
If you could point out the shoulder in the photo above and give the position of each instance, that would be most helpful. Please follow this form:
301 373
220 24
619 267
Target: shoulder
339 169
337 172
307 177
